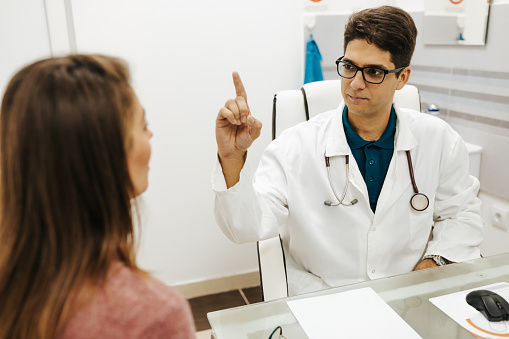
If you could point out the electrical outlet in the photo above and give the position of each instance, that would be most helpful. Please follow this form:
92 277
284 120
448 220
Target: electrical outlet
500 217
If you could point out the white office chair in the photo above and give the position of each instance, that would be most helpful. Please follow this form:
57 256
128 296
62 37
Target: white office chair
290 108
272 268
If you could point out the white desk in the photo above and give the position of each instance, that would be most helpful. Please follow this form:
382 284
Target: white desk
407 294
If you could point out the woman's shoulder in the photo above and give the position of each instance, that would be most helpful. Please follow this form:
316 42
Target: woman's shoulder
132 305
130 286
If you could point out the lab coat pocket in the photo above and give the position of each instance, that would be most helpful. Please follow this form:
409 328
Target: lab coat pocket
420 224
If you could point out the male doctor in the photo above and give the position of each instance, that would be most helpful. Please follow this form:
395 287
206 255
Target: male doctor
376 231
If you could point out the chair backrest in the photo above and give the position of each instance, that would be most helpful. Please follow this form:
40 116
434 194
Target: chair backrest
290 108
294 106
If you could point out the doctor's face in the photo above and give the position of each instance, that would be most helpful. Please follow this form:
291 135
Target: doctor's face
138 149
363 98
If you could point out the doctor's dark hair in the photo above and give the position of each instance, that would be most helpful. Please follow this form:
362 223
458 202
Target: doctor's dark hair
65 194
389 28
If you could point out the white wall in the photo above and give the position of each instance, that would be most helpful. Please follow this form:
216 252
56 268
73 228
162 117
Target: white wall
349 6
182 54
23 36
496 239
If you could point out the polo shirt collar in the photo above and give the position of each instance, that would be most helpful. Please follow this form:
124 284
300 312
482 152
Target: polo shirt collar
385 141
337 144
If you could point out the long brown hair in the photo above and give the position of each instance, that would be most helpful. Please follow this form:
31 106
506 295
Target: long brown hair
65 210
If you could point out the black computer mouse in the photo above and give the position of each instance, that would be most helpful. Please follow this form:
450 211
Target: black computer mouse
490 304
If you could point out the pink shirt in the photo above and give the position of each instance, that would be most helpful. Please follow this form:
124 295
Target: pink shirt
132 306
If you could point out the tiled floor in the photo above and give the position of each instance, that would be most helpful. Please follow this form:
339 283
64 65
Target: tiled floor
202 305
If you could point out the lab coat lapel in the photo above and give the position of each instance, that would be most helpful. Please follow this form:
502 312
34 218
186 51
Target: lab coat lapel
337 145
336 138
397 179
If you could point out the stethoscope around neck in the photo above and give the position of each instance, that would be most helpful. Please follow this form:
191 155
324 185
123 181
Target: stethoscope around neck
419 201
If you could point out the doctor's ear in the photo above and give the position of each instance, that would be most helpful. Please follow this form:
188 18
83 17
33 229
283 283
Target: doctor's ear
403 77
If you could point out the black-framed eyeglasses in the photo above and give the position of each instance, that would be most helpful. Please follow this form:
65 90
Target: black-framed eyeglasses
373 75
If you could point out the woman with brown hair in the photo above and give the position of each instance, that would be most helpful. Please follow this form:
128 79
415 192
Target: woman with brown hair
74 153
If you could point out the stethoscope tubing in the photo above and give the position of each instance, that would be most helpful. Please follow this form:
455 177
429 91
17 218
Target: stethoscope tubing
411 170
340 201
418 201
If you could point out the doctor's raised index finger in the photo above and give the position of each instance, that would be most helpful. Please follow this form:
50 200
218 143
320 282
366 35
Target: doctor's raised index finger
239 86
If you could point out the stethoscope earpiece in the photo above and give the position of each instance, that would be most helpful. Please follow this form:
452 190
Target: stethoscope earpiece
328 203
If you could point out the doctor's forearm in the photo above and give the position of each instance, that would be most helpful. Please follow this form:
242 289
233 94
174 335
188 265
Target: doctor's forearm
232 166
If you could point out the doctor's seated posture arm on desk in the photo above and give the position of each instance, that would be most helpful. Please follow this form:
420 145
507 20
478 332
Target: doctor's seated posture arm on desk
365 191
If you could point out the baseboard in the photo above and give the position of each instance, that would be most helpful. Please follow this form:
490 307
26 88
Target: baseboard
214 286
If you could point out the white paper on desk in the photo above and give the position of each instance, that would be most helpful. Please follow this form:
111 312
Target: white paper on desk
456 307
353 314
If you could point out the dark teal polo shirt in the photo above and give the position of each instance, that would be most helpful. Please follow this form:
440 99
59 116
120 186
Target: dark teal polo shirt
372 157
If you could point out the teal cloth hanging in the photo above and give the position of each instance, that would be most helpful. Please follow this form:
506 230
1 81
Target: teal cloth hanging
313 71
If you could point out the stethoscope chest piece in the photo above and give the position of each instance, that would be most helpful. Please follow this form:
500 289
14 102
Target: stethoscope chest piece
419 202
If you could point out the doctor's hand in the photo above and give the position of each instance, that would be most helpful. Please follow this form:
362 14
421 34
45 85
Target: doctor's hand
236 129
426 263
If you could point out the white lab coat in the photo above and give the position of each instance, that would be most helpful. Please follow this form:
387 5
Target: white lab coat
331 246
